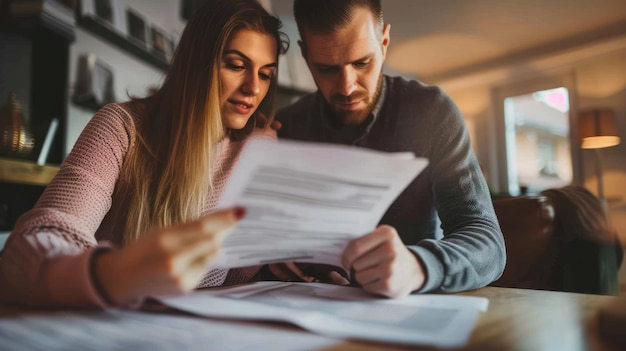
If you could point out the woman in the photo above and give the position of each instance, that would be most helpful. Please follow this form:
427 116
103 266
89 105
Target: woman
127 216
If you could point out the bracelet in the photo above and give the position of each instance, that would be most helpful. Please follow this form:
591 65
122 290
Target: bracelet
94 278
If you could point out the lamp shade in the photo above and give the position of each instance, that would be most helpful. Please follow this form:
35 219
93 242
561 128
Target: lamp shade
598 129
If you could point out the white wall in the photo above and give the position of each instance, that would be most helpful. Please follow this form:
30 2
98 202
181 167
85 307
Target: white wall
293 71
131 75
134 76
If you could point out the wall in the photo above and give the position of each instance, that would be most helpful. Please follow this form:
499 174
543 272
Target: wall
599 72
130 76
602 83
134 76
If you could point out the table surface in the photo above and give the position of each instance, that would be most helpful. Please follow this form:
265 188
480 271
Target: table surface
525 319
517 319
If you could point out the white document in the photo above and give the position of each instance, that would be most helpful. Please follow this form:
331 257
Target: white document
96 330
343 312
306 201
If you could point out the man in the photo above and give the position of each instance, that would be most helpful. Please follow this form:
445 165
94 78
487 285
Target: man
344 43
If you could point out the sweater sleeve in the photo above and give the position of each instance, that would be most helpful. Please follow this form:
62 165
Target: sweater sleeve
47 256
472 252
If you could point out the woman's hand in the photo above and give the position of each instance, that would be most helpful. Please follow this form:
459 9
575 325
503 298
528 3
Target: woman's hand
309 272
164 262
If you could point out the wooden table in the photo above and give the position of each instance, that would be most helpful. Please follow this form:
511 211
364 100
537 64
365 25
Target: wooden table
534 320
517 319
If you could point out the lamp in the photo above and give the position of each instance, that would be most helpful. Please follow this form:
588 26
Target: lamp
597 130
15 136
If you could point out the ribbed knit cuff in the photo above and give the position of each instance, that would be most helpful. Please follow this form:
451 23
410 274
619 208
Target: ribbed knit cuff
433 269
68 279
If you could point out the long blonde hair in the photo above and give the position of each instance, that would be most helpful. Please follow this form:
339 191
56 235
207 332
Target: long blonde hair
166 174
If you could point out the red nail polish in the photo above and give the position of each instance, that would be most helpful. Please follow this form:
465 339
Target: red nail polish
240 212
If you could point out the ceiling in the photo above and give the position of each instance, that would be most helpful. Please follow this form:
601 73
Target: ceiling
438 39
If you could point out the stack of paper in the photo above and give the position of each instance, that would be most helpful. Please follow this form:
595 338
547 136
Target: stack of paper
343 312
306 201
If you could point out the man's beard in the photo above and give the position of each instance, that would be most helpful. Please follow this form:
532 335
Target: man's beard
359 116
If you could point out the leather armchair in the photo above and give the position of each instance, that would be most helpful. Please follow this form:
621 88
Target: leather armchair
559 240
527 223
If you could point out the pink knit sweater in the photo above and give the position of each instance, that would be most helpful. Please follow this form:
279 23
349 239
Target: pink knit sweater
47 257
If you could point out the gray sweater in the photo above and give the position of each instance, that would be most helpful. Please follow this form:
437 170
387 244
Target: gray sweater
446 215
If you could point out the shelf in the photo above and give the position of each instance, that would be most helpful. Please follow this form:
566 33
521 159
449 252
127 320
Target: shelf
134 47
130 45
26 172
26 17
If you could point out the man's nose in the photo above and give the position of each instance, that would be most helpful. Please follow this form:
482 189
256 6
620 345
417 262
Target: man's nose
347 81
251 85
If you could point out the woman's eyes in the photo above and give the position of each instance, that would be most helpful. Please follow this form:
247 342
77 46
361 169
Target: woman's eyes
235 67
238 68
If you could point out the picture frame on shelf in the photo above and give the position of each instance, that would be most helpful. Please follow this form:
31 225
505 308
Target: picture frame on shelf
159 41
104 10
55 15
71 4
128 28
136 25
94 86
107 13
170 43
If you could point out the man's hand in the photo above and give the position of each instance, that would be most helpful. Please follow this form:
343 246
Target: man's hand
382 264
261 122
309 272
276 125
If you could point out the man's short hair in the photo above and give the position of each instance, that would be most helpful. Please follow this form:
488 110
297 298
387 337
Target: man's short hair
328 16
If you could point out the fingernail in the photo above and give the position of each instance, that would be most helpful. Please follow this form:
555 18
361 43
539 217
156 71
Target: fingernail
240 212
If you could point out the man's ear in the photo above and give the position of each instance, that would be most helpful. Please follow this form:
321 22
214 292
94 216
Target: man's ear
386 38
302 46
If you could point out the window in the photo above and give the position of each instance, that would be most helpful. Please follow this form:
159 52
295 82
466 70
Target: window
535 141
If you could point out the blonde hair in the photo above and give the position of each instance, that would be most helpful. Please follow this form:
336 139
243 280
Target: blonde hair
166 174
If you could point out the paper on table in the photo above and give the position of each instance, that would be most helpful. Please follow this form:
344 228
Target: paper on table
343 312
97 330
305 201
